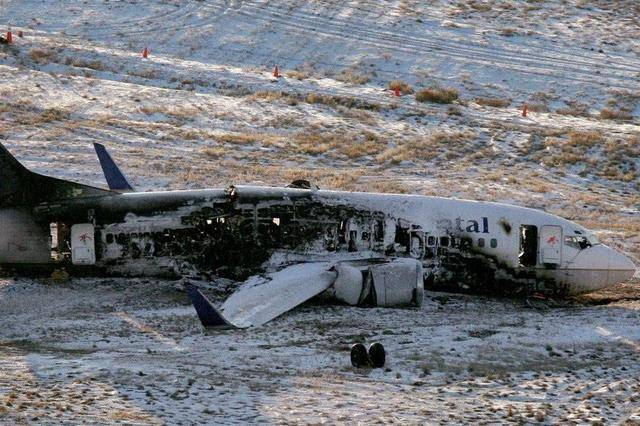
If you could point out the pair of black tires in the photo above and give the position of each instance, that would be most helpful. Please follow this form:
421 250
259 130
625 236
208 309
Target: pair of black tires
375 357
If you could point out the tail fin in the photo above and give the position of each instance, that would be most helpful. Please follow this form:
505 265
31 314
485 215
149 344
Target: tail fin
12 174
209 316
115 178
20 186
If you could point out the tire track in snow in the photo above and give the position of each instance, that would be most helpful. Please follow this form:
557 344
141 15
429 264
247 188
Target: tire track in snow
327 26
507 45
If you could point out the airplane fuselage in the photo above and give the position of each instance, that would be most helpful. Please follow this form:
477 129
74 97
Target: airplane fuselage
468 245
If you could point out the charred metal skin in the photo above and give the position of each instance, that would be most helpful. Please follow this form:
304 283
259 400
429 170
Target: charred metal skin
242 231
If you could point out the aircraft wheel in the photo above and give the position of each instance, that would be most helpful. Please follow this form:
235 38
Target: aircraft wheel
359 356
377 355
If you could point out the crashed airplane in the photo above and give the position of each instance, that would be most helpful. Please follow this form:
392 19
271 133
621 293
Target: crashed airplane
287 245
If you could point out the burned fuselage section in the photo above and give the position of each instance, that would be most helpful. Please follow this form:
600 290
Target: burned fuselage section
243 231
233 237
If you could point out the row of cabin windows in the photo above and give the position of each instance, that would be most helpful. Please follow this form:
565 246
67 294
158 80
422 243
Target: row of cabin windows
444 241
462 242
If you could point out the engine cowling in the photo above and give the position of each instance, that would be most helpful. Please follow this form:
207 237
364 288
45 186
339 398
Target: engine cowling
398 282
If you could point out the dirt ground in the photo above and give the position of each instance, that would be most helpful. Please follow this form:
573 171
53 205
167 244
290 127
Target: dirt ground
133 351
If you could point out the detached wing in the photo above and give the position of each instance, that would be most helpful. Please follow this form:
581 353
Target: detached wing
261 299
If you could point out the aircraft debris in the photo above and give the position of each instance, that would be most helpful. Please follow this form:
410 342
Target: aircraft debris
286 245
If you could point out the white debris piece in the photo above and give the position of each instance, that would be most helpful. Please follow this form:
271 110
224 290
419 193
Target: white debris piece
263 299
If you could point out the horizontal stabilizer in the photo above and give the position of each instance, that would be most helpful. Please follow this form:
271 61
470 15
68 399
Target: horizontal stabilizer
22 187
261 299
208 314
112 173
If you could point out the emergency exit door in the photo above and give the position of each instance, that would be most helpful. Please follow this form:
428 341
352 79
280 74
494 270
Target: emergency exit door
551 244
83 245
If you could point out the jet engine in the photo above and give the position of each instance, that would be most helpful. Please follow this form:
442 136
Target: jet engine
398 282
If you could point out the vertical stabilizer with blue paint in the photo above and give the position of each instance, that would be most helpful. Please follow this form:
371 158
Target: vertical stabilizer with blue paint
208 314
112 173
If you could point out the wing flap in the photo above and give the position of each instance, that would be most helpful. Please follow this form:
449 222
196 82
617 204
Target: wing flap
260 299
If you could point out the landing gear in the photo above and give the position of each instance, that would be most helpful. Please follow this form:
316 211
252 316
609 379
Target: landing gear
374 358
377 355
359 356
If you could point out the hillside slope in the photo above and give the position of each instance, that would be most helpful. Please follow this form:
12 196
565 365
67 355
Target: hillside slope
205 110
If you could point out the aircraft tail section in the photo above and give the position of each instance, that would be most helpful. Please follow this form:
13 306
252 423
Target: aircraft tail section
12 175
112 173
22 187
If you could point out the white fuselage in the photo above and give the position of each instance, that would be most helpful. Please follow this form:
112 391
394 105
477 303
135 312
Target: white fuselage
565 251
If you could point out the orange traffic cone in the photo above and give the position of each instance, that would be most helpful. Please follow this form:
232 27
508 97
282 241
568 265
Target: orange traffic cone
145 52
525 110
396 91
9 37
276 72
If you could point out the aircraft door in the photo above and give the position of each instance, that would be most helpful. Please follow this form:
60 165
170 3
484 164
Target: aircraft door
83 244
551 244
528 255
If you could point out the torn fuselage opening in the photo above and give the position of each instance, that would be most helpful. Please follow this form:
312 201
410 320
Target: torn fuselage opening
464 268
234 239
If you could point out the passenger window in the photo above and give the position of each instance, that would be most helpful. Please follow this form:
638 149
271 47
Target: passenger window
494 243
444 241
431 241
466 243
109 238
480 242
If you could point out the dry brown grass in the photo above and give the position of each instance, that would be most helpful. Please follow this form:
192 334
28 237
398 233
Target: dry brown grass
613 114
440 95
585 139
180 113
352 75
402 86
276 95
214 151
537 107
46 116
449 145
493 102
575 109
597 155
145 73
345 101
298 74
333 101
508 32
41 56
84 63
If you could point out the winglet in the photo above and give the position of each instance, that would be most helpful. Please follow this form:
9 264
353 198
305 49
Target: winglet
115 178
209 316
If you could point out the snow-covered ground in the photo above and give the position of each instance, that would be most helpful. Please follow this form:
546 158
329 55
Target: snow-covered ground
204 110
133 350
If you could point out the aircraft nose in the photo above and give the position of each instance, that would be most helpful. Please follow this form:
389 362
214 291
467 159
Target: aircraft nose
621 268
